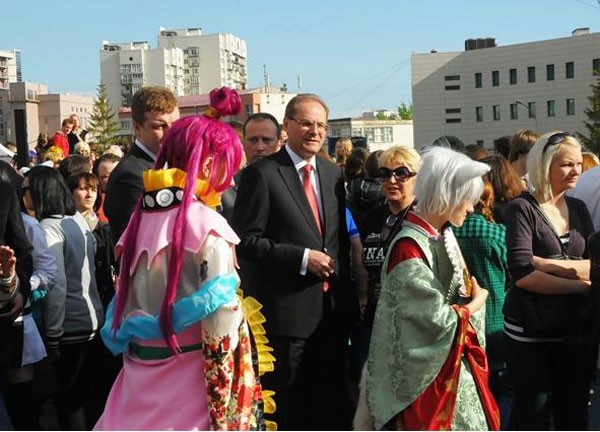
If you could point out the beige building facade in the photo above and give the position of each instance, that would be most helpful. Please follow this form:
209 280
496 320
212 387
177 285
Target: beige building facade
488 91
39 110
380 134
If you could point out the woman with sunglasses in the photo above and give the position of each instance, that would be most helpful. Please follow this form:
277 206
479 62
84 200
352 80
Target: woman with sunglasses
398 168
545 314
426 368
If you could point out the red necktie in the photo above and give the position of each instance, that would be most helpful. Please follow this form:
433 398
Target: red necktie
310 194
312 200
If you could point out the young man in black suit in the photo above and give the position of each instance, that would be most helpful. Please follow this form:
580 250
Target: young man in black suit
153 109
290 215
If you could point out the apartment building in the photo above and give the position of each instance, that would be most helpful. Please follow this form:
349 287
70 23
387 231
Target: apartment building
186 61
125 67
210 61
487 91
380 134
10 68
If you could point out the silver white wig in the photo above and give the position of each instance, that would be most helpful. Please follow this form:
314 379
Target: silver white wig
446 179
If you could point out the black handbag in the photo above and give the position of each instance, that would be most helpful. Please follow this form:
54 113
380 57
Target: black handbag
552 315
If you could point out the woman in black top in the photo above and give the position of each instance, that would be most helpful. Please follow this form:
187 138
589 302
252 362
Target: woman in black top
398 168
545 308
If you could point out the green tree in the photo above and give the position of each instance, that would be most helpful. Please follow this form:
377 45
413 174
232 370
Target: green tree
103 125
592 124
381 116
405 112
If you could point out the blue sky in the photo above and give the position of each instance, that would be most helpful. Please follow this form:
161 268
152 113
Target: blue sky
354 53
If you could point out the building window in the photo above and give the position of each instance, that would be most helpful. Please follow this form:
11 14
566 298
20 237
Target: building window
452 78
388 135
512 76
452 87
514 111
570 106
249 111
531 109
550 72
495 78
570 70
496 112
453 120
596 64
479 114
551 108
531 74
478 80
452 110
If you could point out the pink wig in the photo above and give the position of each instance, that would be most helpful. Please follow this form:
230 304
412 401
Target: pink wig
186 145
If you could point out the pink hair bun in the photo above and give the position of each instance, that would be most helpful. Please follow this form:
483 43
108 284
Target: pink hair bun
226 101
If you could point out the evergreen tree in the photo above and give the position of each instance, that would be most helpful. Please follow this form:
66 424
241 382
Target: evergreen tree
103 125
592 124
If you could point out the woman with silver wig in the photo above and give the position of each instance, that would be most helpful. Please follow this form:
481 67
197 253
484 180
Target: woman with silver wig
427 368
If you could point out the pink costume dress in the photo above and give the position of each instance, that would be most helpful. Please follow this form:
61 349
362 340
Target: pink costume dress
211 384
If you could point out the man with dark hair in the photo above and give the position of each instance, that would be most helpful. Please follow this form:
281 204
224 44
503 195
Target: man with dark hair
153 109
502 146
290 216
261 136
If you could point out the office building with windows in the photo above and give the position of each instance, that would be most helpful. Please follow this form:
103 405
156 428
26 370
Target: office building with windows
488 91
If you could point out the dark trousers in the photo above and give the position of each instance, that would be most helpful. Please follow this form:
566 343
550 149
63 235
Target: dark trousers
71 389
551 383
310 382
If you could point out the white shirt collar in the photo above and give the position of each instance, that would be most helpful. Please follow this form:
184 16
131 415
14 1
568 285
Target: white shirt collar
145 149
299 163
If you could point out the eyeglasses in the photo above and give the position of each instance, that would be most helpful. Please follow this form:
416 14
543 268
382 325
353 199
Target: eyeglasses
557 138
401 173
307 124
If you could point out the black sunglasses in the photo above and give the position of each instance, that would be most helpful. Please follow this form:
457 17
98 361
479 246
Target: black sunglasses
556 138
401 173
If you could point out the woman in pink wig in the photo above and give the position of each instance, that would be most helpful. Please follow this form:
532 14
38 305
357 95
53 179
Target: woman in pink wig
176 316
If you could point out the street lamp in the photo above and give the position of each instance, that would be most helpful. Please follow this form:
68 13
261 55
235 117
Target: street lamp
530 114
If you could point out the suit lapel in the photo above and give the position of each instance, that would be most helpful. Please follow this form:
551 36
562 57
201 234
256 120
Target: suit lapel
325 178
290 177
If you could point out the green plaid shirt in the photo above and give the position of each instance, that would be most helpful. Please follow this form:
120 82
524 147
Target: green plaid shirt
483 245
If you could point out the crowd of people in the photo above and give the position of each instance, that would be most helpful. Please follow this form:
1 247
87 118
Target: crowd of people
225 276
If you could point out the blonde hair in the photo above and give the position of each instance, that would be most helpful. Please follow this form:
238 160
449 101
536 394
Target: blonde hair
82 146
54 154
539 161
346 149
403 155
590 160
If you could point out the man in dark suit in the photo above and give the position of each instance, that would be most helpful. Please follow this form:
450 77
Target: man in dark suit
290 215
260 138
153 109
